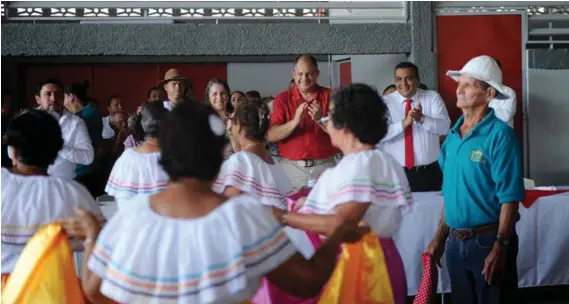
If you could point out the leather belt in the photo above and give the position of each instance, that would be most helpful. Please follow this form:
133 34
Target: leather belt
464 234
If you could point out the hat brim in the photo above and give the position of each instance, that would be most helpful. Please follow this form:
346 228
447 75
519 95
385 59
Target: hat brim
163 82
500 91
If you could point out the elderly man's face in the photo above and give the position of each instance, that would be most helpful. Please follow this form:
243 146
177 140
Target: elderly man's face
175 88
470 93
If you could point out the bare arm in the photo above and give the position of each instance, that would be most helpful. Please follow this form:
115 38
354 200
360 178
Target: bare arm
281 132
230 191
443 229
508 217
90 281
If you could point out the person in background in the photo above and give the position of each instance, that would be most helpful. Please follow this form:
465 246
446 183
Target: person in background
423 86
417 119
251 169
389 89
253 95
291 84
77 148
30 197
115 105
217 96
7 114
77 101
214 249
137 171
237 98
483 184
304 146
505 108
154 94
133 140
175 85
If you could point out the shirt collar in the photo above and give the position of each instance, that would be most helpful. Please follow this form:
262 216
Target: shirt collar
296 96
487 120
402 99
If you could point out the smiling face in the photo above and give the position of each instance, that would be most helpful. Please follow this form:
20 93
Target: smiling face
305 75
406 82
218 97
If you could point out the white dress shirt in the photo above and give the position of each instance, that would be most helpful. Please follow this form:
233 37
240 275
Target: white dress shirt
426 145
108 132
168 105
505 109
77 148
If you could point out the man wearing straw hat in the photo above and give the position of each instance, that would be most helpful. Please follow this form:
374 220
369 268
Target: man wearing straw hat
481 162
175 85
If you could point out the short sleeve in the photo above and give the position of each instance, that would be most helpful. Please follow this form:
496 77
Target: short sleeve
234 173
373 180
506 167
105 245
278 116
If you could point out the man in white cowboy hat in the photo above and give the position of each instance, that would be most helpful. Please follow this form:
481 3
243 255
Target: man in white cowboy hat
483 183
175 85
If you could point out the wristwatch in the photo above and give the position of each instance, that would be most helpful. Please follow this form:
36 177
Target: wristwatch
502 241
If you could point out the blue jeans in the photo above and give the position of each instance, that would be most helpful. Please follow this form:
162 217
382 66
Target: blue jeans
465 262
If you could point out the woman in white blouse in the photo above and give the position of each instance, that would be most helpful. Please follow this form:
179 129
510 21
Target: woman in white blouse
252 169
188 244
30 197
137 171
366 185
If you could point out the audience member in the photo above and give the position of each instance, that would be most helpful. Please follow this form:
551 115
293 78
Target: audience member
77 101
303 144
7 113
483 184
253 95
175 85
417 119
77 148
115 105
237 98
154 94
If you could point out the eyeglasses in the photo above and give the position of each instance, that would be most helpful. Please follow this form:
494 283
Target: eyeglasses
324 119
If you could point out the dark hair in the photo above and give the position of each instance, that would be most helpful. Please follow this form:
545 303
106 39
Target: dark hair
36 136
229 106
253 117
48 81
148 121
110 100
408 65
253 95
189 147
152 89
389 87
359 108
423 86
79 90
311 58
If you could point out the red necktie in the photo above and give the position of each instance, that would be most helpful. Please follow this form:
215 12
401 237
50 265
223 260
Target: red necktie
409 155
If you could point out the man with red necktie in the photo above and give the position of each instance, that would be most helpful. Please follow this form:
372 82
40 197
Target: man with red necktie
417 119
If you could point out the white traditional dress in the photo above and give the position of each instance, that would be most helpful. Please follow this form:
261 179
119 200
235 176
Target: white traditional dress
30 202
250 174
144 257
135 174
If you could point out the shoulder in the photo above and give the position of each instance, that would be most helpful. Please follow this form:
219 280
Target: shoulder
282 97
430 95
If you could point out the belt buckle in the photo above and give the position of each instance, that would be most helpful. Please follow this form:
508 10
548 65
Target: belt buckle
462 235
309 163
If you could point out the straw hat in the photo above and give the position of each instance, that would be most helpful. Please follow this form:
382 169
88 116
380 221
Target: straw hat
174 74
483 68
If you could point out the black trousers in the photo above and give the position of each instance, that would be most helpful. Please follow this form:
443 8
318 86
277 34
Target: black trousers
425 178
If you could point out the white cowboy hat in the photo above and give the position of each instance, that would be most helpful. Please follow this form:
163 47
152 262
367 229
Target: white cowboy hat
483 68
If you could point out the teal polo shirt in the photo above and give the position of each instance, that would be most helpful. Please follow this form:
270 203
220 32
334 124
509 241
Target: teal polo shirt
480 172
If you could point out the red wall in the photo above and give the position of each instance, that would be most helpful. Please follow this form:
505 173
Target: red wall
460 38
345 73
131 81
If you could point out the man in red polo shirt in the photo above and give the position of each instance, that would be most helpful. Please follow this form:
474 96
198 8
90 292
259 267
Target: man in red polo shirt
304 146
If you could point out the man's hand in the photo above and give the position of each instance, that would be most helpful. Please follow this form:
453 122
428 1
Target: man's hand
494 263
300 112
408 121
436 249
417 113
315 110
